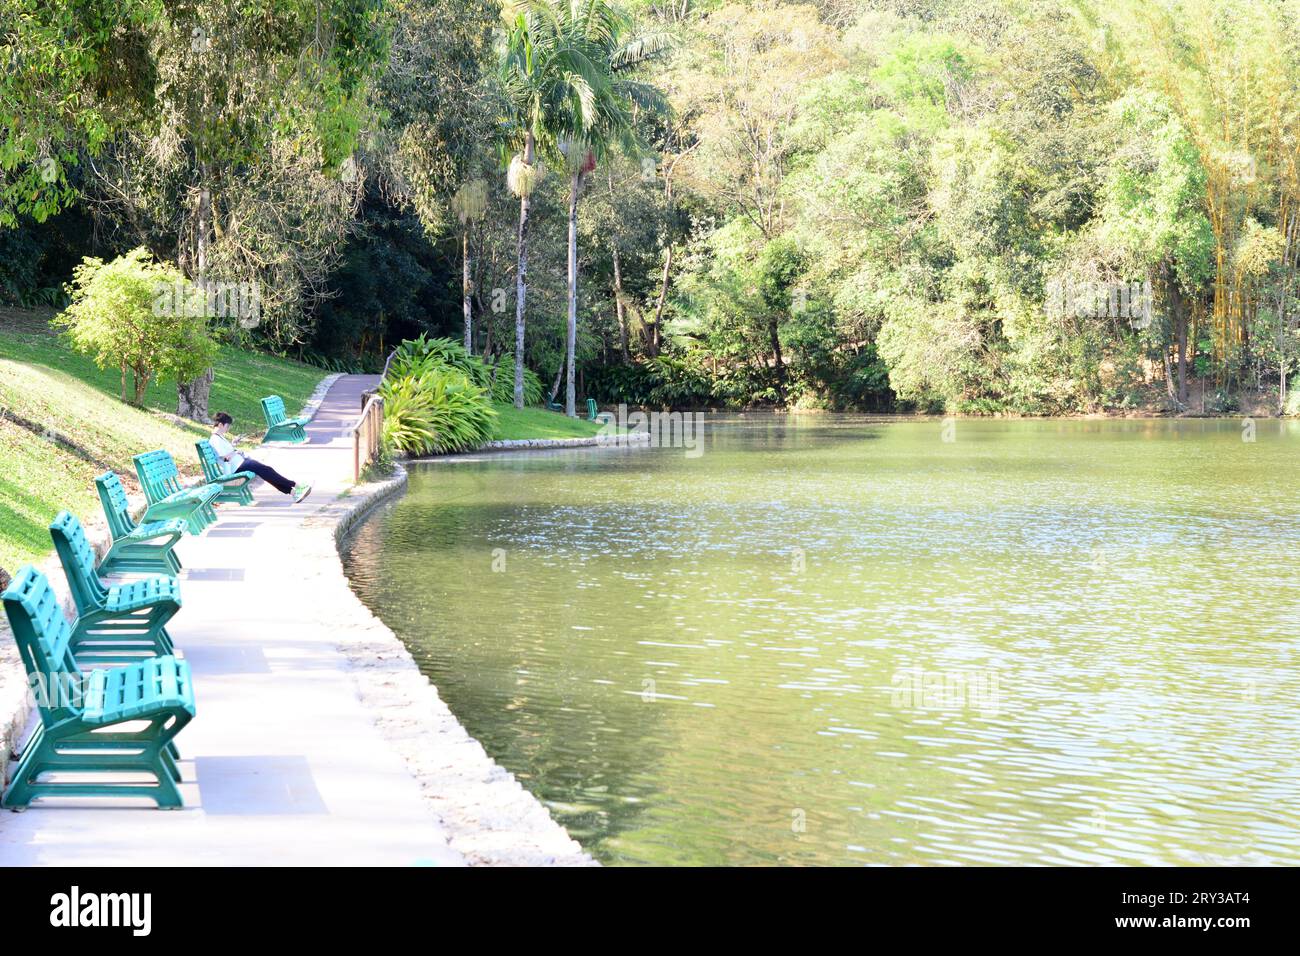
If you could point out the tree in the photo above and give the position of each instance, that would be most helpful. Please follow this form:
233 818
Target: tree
469 204
567 102
602 33
217 135
441 107
139 315
1152 208
72 75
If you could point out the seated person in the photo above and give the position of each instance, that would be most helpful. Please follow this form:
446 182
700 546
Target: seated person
232 461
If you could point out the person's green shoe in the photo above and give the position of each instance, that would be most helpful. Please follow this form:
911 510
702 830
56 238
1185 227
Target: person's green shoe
300 493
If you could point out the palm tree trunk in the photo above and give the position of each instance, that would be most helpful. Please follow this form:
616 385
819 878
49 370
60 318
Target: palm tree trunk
521 282
464 292
571 334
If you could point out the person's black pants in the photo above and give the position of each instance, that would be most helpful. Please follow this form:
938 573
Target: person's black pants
268 474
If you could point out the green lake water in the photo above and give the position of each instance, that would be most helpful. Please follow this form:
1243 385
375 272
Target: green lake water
845 640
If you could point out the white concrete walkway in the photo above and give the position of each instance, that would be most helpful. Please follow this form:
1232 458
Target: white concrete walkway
283 764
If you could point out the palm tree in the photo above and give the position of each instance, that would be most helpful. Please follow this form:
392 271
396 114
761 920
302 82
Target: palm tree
539 74
566 73
469 204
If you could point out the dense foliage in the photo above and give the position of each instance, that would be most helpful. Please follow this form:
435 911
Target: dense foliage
989 206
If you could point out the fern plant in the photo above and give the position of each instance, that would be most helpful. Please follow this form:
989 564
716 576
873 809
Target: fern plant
436 412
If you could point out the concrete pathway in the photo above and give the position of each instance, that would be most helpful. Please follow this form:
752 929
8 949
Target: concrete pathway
283 764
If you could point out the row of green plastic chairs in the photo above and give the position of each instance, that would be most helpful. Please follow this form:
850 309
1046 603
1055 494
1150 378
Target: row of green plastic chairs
111 694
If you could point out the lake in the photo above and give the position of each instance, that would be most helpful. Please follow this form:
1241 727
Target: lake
824 639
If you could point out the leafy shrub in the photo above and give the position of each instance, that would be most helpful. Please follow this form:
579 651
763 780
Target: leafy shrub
114 319
438 411
670 381
1293 397
1223 403
408 424
503 386
417 356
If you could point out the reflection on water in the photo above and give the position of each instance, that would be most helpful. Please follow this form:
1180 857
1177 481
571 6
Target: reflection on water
837 639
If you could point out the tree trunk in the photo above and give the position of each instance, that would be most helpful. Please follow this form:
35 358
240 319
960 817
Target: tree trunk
571 332
618 306
521 282
663 299
1180 324
141 385
1282 295
555 386
464 292
192 398
773 332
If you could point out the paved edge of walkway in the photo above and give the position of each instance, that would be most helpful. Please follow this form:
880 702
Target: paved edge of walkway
489 817
15 701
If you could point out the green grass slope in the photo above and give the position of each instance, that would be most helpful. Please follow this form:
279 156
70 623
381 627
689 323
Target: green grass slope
243 379
64 424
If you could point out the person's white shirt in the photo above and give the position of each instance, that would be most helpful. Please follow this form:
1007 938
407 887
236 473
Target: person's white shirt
222 446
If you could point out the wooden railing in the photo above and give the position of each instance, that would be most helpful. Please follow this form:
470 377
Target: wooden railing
367 434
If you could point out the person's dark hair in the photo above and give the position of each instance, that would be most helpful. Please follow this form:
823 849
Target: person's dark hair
222 418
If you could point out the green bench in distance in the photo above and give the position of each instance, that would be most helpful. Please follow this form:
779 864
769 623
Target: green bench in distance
279 427
143 548
114 721
117 624
234 487
168 498
591 408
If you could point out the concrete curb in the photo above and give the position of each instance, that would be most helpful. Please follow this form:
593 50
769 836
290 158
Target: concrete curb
489 818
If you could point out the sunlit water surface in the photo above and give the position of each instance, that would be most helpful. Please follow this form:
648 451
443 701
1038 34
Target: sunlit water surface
842 640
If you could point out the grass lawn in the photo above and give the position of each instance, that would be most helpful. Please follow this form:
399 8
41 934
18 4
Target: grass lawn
243 378
514 423
37 479
44 383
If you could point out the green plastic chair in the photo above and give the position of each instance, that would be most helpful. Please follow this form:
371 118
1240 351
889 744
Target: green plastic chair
279 427
234 487
168 498
82 730
591 409
145 548
116 624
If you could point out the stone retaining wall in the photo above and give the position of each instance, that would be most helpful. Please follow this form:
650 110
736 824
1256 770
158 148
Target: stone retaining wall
489 817
602 441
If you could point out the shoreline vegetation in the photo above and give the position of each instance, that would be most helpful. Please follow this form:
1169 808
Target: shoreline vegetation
62 423
958 206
